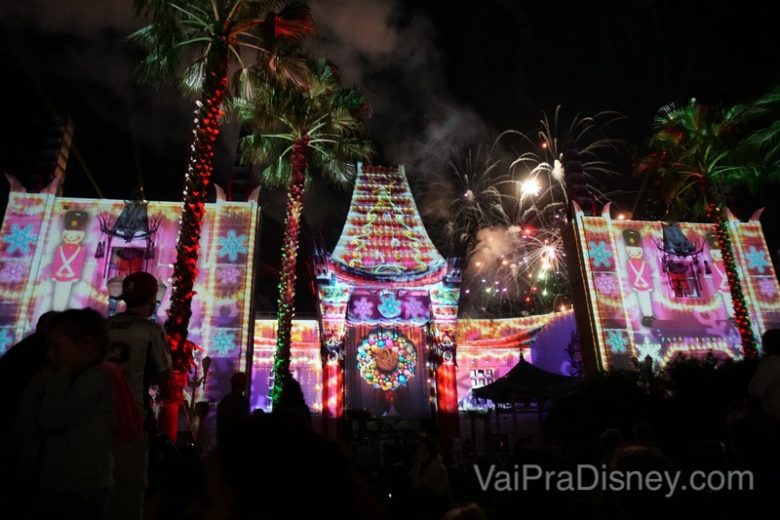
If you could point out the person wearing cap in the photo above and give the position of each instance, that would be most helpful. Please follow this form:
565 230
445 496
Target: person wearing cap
639 276
718 274
68 258
139 347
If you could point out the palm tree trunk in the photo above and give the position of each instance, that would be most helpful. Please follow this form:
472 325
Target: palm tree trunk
292 228
185 271
717 215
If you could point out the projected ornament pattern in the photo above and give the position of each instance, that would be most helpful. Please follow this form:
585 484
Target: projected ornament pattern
386 359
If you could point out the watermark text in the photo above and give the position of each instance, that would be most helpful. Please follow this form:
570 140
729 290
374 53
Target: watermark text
588 477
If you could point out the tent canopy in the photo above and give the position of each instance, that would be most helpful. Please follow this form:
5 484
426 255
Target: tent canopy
525 382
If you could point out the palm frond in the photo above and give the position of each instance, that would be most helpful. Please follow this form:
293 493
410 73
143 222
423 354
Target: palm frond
294 22
192 77
292 68
323 111
178 36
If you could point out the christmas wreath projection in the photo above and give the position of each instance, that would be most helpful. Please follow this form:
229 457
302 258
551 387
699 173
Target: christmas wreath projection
386 359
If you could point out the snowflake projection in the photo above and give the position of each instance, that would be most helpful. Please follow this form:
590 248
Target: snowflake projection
229 274
231 245
414 308
222 343
20 239
767 287
647 348
13 272
616 341
599 253
363 308
6 340
756 259
607 285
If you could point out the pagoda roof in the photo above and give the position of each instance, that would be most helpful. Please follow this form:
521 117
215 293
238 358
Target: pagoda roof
384 238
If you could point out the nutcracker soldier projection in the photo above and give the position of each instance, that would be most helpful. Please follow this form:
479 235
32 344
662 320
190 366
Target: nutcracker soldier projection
639 275
717 271
68 258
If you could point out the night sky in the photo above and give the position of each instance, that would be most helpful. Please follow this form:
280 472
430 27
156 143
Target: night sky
442 77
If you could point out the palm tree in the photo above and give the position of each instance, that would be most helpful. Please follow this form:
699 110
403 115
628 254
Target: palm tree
698 152
205 44
761 146
319 127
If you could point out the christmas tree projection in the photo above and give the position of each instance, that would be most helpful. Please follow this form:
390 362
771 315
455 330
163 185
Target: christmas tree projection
384 236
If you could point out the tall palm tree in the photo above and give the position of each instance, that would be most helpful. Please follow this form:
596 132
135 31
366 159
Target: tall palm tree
698 152
761 145
206 44
317 129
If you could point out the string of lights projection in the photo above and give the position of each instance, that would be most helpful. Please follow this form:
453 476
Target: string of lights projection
716 213
505 208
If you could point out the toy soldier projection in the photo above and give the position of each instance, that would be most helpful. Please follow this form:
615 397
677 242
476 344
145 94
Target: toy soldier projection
717 270
68 258
639 275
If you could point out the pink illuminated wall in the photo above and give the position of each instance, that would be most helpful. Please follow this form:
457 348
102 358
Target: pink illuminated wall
48 261
638 309
305 362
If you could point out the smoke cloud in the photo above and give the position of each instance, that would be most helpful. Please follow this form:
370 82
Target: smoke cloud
73 17
391 53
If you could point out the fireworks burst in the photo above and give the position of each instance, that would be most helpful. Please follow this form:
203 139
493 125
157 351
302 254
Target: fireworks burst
506 210
518 268
468 198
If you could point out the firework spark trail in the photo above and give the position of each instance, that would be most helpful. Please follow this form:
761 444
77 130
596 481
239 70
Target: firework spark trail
506 207
468 197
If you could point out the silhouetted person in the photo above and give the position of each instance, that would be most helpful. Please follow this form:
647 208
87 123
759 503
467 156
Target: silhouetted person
765 385
17 368
140 349
234 406
609 442
641 504
430 482
395 455
67 420
758 437
271 466
467 512
292 403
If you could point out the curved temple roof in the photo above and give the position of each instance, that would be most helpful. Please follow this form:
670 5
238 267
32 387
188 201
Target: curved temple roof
384 237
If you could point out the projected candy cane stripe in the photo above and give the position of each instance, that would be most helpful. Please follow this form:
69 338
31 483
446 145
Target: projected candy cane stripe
447 390
333 397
